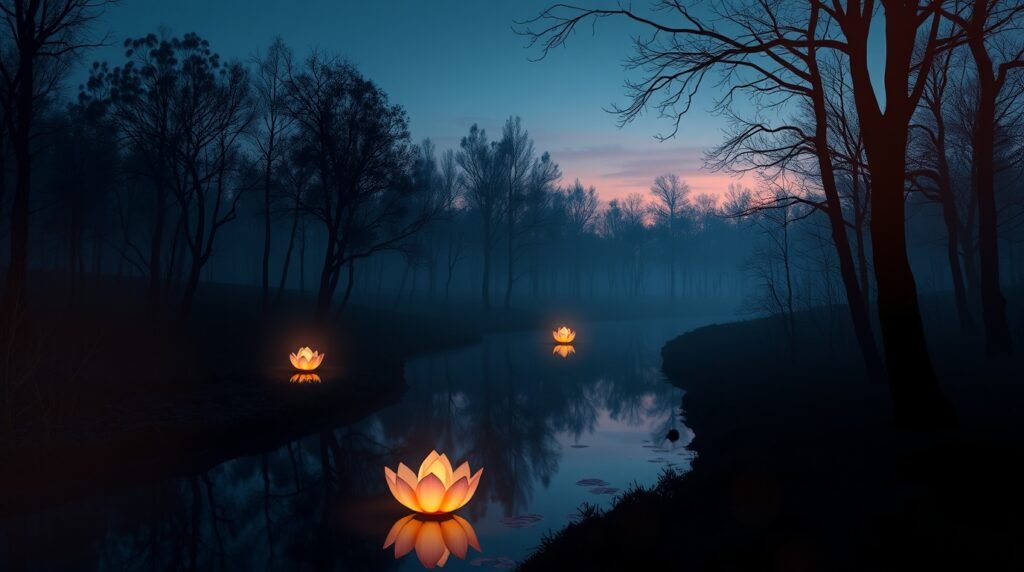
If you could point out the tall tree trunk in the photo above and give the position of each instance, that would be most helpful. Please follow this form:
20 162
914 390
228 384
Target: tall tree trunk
288 253
267 175
993 304
917 397
485 287
17 270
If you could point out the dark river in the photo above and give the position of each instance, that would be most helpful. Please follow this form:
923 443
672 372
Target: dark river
551 434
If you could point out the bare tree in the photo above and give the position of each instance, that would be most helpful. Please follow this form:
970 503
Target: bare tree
359 145
991 31
772 49
39 38
481 176
515 157
671 196
269 84
581 213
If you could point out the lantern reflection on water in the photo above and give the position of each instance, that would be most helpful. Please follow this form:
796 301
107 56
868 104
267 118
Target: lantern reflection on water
434 539
437 489
305 378
563 350
563 335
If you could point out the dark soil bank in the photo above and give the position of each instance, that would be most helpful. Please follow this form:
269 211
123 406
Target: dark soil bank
799 468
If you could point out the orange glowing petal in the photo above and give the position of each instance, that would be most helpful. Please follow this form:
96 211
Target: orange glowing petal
305 353
441 468
395 529
430 548
405 541
467 529
444 559
430 493
473 483
427 462
407 495
461 472
392 479
456 496
455 538
406 474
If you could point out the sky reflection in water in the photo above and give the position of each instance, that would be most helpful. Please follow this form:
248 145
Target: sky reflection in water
551 434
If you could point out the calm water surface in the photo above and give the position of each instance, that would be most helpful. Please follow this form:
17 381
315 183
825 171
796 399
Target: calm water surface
552 433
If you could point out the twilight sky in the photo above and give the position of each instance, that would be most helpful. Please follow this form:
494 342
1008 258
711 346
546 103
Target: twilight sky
452 63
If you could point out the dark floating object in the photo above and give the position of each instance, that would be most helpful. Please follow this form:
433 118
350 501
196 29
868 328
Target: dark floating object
578 446
592 483
603 490
521 520
673 435
657 460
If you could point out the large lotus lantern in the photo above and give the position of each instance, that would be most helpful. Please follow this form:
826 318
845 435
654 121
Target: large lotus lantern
306 359
433 539
563 335
436 489
563 350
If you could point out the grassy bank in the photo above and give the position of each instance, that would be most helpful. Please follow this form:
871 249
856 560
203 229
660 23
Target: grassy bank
799 469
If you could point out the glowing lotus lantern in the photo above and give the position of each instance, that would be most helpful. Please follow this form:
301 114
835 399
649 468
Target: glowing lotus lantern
305 378
306 359
437 489
563 335
434 540
563 350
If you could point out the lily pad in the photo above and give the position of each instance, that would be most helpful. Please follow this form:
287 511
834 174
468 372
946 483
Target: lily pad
521 520
604 490
592 483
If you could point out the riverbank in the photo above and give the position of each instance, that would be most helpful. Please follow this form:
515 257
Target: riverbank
798 467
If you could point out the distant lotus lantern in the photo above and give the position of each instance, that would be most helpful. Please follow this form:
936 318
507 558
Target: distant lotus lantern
563 350
563 335
305 378
306 359
434 540
437 489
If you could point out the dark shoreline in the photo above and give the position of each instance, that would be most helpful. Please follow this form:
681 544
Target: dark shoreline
802 471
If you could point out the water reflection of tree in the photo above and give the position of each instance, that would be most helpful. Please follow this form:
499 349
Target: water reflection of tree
505 404
277 511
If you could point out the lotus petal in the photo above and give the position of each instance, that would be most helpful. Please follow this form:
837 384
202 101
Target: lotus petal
430 493
430 547
470 532
395 529
407 495
473 483
425 465
462 471
455 497
455 538
407 536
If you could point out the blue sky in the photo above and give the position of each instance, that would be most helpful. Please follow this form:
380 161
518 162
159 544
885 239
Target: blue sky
452 63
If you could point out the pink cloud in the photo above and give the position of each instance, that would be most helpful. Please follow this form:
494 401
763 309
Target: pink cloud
617 170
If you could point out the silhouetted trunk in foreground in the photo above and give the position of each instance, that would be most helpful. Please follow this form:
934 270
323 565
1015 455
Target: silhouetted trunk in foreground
917 397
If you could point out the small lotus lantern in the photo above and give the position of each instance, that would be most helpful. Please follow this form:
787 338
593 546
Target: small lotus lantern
563 335
434 540
563 350
306 359
436 489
